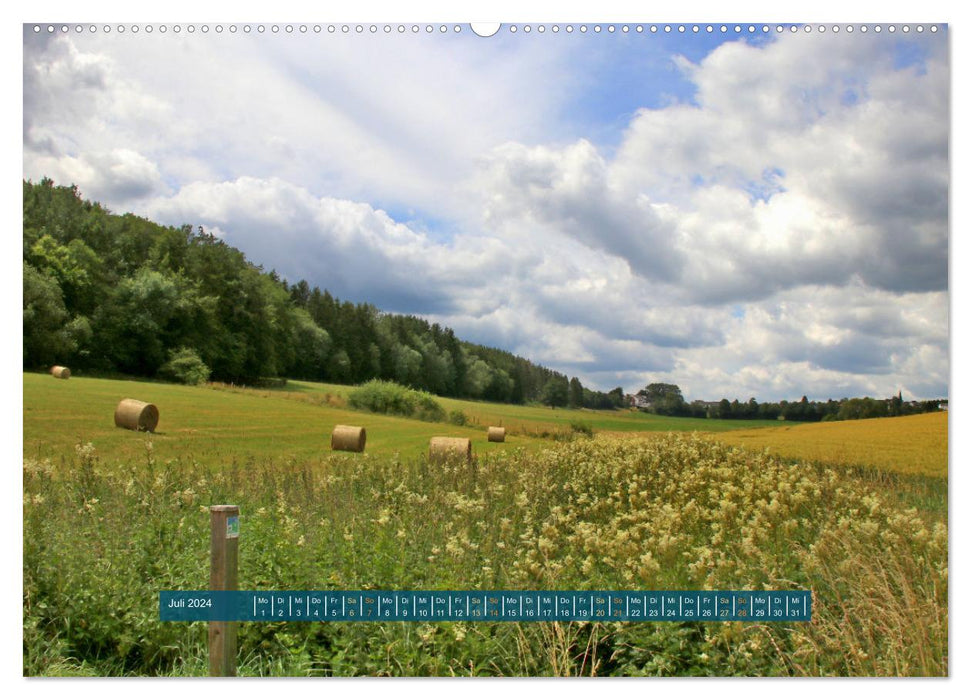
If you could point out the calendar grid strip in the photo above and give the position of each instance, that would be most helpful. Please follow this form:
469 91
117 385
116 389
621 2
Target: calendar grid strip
491 606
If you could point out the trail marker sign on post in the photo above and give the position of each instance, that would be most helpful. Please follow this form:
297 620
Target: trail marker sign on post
223 576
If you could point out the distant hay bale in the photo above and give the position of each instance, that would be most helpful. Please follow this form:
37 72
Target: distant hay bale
60 372
449 449
136 415
349 438
497 434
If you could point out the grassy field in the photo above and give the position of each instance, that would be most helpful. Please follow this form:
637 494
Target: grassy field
232 424
213 425
530 420
905 444
111 517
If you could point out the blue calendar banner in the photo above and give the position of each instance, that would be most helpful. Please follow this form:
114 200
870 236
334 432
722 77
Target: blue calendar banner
485 606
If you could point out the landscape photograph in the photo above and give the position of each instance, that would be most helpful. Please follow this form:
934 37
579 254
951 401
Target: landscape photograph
523 307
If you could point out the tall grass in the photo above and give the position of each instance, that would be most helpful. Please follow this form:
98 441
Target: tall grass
100 541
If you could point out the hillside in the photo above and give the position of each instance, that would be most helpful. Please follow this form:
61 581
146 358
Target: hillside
107 293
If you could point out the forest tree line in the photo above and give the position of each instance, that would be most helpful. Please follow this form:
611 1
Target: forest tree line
666 399
110 293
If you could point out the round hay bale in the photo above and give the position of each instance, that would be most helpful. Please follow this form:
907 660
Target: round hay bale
349 438
136 415
497 434
59 372
449 449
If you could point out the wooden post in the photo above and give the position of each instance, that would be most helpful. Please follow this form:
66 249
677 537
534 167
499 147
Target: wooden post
223 576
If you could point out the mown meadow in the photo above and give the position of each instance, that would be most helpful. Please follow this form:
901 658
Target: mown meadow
534 420
111 517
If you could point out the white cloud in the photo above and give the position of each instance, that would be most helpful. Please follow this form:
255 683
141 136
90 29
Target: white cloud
349 247
402 126
802 163
777 177
567 191
826 342
118 175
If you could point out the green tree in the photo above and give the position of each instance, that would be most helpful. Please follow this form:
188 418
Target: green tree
339 366
724 409
500 387
666 399
46 336
75 267
311 345
556 392
186 367
407 365
575 399
437 373
477 377
616 397
752 408
144 317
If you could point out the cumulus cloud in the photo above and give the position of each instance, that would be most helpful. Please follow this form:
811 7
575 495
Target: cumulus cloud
827 343
61 84
568 191
571 348
118 175
349 247
772 179
776 179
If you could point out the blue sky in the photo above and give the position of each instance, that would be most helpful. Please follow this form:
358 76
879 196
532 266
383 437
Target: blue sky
616 74
744 215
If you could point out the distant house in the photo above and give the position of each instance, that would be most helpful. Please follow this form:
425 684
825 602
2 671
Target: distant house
638 401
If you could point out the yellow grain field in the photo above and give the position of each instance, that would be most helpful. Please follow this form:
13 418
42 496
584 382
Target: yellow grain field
905 444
